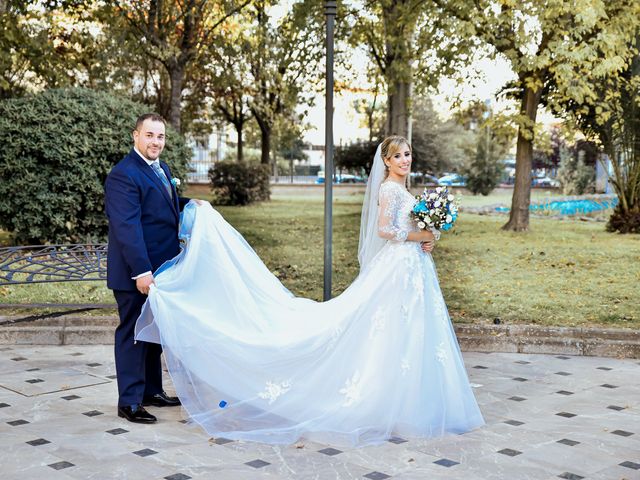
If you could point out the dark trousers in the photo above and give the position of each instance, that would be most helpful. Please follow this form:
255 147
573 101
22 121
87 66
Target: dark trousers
138 364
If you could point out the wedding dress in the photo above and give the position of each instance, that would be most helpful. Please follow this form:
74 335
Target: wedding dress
251 361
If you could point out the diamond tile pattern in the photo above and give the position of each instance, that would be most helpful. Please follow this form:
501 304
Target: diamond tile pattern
566 441
16 423
376 476
93 413
61 465
37 442
397 440
566 414
509 451
145 452
84 437
615 407
257 463
564 392
222 441
330 451
570 476
515 423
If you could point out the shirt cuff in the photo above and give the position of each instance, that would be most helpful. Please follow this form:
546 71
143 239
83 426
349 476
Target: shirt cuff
141 275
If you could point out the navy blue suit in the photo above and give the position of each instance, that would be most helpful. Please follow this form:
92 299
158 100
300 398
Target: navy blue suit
143 234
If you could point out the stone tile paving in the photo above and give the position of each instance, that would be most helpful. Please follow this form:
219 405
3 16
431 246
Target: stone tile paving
548 416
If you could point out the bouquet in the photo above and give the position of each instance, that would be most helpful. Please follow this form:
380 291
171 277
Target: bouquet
436 209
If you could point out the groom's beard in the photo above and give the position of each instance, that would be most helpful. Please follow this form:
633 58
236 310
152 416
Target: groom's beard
152 153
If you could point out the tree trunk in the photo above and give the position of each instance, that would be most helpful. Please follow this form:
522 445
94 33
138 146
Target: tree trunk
519 215
265 144
398 94
176 75
240 152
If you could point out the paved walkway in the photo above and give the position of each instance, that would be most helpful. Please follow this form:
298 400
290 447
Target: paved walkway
548 416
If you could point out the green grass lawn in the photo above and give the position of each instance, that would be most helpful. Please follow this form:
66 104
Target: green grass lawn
567 273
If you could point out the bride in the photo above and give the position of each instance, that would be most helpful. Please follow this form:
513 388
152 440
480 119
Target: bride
250 361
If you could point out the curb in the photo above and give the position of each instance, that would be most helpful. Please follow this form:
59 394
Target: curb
601 342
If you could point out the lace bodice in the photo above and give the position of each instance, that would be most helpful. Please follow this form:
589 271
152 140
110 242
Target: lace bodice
394 219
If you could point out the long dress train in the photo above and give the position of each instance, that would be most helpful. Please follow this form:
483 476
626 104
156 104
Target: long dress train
251 361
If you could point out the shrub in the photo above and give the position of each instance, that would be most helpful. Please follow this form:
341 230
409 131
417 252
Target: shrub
575 176
483 173
56 149
624 222
239 183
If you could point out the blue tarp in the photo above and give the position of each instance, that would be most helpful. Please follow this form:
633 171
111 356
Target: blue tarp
569 207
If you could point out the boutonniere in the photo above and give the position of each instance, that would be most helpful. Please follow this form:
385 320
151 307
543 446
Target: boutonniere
175 182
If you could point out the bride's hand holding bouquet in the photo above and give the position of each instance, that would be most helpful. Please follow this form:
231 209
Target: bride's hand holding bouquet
435 211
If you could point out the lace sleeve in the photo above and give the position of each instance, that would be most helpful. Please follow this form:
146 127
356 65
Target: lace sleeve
390 200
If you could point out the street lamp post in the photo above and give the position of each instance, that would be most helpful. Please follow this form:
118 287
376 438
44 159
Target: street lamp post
330 7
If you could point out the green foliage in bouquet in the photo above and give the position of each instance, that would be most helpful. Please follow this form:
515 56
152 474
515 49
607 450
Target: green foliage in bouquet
239 183
56 149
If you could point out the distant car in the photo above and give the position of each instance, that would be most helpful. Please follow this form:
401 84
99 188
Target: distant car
545 182
346 178
350 179
453 180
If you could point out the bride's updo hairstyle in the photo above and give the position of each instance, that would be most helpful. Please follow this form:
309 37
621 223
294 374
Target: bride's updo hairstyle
390 146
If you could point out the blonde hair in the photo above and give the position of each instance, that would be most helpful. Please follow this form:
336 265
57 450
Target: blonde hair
390 146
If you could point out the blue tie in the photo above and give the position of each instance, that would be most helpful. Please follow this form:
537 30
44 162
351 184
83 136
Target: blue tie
161 175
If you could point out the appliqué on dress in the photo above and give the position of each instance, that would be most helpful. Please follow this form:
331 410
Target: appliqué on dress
273 390
352 389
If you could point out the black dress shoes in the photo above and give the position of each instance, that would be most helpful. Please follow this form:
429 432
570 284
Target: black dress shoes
136 414
161 400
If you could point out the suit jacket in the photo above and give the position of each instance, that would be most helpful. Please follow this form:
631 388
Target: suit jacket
143 221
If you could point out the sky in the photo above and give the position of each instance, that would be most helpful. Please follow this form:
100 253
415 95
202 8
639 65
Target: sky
493 75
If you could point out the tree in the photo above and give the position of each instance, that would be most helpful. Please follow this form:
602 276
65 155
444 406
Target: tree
553 48
438 146
175 33
281 55
484 170
614 123
409 43
228 81
356 156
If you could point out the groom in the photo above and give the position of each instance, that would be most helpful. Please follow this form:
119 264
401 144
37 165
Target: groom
143 209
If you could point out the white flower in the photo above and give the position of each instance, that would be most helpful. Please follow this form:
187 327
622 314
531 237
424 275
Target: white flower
378 322
450 198
438 190
449 218
352 389
432 211
176 182
441 353
433 195
273 390
421 225
437 203
404 366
